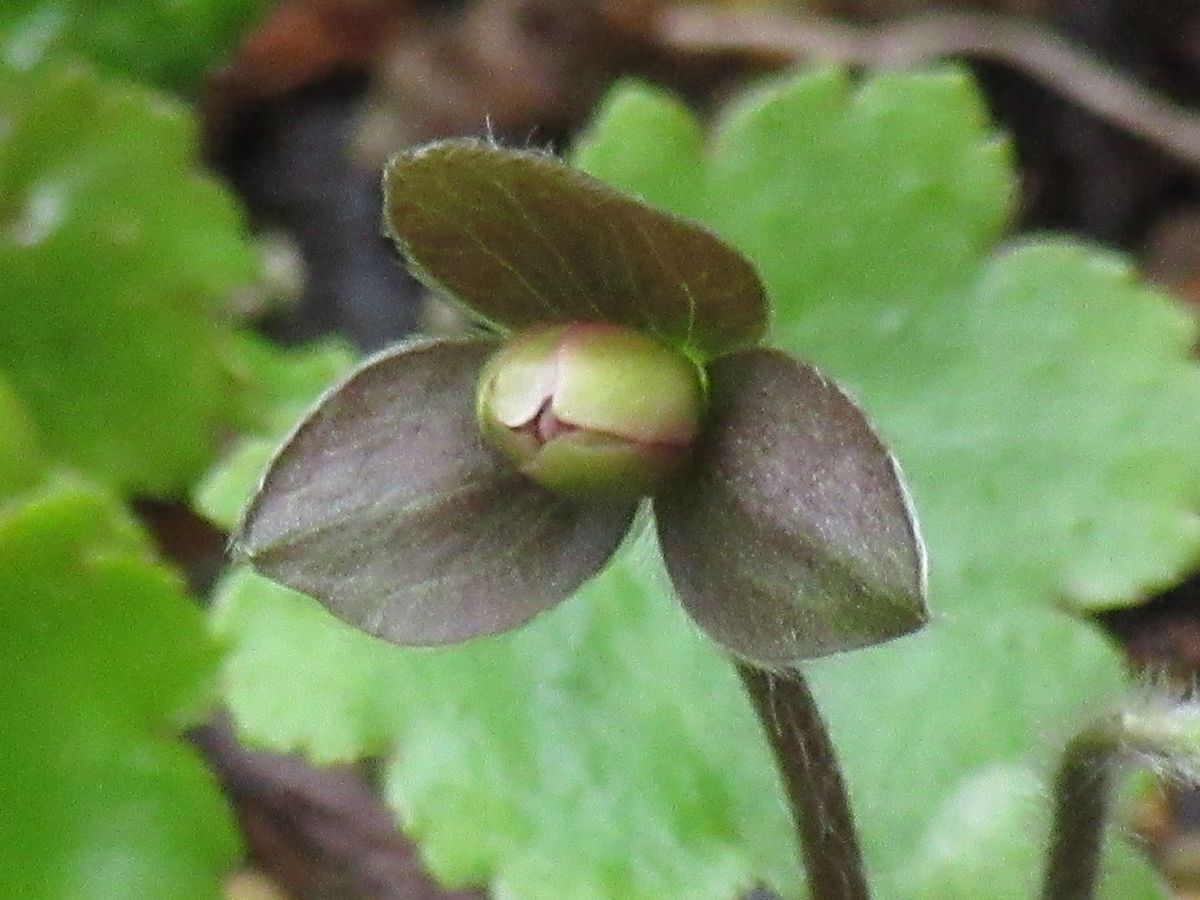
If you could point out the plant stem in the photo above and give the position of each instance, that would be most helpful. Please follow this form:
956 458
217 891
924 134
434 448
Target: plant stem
1082 793
816 792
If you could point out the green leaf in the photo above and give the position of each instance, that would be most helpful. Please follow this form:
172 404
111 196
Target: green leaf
275 387
115 264
917 720
101 654
670 167
21 461
221 494
170 43
986 841
499 733
605 750
1041 403
522 239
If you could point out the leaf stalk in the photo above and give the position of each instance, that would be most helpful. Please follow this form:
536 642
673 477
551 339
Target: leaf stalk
1082 798
816 792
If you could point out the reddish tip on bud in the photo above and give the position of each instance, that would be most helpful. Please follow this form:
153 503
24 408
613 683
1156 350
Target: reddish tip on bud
591 409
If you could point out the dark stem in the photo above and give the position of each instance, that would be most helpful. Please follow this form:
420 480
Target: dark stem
1082 794
816 793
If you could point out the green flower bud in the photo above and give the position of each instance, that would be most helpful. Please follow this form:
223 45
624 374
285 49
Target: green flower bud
591 409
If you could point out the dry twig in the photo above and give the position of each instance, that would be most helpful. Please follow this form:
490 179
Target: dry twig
1050 59
318 832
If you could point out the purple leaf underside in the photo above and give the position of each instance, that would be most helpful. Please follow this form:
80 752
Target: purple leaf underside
792 538
522 239
386 506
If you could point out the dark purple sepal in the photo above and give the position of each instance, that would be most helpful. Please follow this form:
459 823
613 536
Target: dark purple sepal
523 239
792 536
387 506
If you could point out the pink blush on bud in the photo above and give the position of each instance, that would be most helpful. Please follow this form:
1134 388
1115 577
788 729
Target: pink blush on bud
545 426
591 409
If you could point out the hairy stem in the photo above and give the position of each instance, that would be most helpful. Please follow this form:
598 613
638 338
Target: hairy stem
816 792
1082 794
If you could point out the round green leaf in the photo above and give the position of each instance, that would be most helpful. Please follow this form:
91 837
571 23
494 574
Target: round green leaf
1044 406
606 749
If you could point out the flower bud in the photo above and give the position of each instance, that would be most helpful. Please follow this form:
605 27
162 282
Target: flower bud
591 409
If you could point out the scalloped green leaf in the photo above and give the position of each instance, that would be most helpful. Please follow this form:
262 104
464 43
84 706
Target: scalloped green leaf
985 842
605 750
101 656
1042 403
518 731
667 171
170 43
116 256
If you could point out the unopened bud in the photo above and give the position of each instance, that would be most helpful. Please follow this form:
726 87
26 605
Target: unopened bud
591 409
